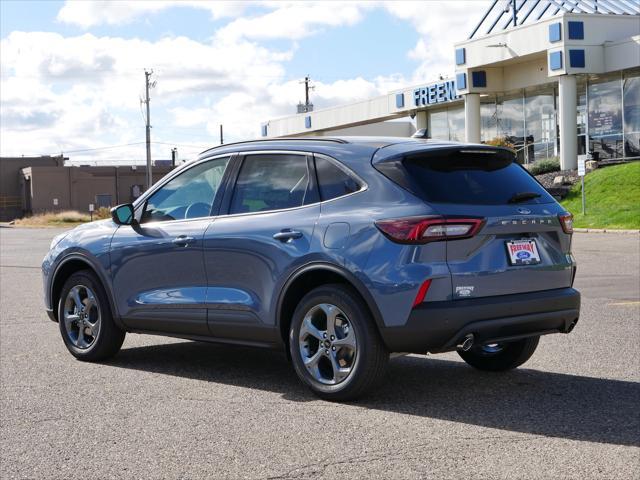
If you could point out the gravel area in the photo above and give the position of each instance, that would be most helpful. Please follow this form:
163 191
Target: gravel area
546 179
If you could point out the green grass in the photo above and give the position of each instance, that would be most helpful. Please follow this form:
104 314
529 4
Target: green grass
612 198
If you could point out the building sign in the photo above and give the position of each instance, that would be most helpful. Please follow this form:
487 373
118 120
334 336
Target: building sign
437 93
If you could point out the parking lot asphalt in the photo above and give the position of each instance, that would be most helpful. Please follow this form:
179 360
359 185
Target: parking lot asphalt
167 408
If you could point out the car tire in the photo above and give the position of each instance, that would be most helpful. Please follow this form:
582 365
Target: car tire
85 319
334 344
500 357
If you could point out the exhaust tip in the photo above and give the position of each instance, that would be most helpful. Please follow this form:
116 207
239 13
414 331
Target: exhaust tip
571 327
466 343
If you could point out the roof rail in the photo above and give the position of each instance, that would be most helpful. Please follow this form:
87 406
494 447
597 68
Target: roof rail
281 139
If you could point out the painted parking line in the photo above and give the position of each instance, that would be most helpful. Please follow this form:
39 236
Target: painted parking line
625 303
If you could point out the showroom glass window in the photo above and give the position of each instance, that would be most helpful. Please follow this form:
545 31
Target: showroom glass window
272 182
604 95
511 118
439 126
488 120
631 98
448 124
581 114
540 123
510 121
455 119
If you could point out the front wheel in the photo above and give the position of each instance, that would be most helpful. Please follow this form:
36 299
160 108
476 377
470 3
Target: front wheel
497 357
85 319
335 347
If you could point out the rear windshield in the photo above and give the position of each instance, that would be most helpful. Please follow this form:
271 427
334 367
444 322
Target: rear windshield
472 178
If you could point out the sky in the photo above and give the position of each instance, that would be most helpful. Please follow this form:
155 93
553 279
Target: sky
72 73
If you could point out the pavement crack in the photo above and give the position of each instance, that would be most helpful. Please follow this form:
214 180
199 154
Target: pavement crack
406 453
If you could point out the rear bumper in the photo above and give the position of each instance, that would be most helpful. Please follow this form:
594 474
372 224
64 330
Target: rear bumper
440 326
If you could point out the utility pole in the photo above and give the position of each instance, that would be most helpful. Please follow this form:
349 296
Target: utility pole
147 84
307 106
221 136
174 154
306 91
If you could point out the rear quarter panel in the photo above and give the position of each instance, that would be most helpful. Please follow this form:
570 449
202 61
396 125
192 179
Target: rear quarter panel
392 272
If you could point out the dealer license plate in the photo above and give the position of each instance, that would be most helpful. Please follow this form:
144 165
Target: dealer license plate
523 252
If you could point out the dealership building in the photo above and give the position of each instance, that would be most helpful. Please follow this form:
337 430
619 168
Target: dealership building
551 78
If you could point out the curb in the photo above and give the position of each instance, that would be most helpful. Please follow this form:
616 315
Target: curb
605 230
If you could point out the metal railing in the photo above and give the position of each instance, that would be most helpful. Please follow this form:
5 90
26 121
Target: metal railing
521 12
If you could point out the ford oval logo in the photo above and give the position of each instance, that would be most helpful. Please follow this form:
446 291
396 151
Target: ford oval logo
524 211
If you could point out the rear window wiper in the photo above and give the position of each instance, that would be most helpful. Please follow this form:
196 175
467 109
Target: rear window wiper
523 196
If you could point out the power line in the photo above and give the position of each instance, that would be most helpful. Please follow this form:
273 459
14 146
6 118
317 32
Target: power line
181 145
103 148
110 147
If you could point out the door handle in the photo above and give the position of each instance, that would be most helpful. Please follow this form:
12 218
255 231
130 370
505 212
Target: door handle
183 240
287 234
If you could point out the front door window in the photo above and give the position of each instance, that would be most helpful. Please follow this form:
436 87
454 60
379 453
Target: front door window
189 195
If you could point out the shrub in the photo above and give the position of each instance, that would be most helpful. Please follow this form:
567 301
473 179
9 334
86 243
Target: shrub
500 142
102 212
545 166
66 217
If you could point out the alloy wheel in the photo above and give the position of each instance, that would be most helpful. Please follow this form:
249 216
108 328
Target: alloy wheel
328 344
81 317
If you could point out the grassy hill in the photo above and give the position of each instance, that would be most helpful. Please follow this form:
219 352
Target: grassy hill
613 198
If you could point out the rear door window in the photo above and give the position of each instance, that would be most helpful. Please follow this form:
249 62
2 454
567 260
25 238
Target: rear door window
333 181
272 182
472 178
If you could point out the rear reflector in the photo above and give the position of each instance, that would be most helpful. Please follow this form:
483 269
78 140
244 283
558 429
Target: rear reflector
422 292
566 221
419 230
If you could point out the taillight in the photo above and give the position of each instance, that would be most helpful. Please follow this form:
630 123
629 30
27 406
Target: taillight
566 221
418 230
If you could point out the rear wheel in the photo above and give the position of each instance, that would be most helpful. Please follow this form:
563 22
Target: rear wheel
498 357
334 345
85 320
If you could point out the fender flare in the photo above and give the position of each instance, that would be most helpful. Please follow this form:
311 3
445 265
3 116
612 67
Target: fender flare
352 279
77 256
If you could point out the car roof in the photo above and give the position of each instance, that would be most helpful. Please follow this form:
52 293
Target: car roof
298 143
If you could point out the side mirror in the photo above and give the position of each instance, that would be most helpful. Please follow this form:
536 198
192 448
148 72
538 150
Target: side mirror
123 214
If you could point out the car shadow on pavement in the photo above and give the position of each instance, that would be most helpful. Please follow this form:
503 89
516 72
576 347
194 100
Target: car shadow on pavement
523 400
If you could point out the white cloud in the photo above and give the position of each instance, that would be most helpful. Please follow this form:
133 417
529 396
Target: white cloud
73 91
293 20
65 93
440 24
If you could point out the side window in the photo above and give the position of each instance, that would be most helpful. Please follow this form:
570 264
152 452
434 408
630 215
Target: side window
189 195
271 182
333 181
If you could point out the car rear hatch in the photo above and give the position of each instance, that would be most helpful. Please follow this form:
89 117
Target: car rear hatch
504 233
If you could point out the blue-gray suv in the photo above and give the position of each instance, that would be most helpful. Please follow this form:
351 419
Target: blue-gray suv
337 250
